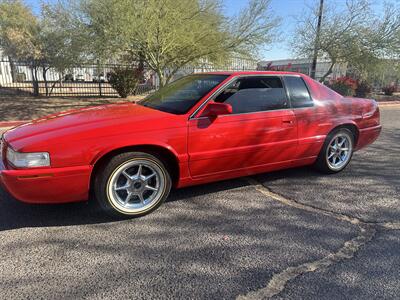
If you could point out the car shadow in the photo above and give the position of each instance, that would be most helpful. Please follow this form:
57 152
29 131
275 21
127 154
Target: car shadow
15 214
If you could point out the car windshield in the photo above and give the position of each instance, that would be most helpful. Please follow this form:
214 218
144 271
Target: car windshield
181 95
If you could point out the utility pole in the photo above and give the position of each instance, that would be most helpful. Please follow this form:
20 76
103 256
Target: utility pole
317 36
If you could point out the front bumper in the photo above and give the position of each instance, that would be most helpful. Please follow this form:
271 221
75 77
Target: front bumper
47 185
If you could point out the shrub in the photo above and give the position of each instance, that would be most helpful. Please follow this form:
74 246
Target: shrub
389 90
363 89
345 86
125 80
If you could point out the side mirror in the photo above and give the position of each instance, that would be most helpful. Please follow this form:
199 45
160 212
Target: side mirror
214 109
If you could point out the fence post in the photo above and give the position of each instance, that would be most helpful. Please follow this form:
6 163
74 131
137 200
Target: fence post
98 77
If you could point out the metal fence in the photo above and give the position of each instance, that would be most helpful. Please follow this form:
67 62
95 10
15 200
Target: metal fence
92 80
88 80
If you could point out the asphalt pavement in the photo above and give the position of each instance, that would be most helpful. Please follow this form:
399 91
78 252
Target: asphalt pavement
369 188
291 234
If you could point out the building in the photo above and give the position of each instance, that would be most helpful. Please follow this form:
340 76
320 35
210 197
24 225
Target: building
304 66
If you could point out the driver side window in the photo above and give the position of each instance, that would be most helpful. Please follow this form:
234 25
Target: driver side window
254 94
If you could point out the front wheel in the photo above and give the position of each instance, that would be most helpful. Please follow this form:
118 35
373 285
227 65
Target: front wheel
336 152
132 184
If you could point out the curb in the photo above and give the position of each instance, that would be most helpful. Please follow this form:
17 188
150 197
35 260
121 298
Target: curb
12 123
388 103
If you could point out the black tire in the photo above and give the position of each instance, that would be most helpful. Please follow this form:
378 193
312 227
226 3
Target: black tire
105 178
323 164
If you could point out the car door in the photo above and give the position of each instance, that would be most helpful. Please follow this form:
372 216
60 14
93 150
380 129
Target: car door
261 130
312 122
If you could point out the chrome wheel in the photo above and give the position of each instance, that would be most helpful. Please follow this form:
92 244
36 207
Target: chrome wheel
339 151
136 186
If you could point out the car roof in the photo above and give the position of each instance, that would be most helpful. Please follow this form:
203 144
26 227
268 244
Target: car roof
237 73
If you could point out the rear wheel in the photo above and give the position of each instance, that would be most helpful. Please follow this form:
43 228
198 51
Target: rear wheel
132 184
337 151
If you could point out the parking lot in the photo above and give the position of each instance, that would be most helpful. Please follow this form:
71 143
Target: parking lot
293 234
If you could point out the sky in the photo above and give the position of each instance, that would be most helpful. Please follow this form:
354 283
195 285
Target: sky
287 10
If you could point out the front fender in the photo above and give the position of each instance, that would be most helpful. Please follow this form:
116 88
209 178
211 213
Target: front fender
139 143
174 140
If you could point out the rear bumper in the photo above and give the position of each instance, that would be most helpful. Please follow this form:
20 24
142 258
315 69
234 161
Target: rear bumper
52 185
367 136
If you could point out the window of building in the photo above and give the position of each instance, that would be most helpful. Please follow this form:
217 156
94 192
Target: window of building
298 92
254 94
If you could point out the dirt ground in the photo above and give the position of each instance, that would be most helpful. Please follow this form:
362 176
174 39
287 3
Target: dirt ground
27 108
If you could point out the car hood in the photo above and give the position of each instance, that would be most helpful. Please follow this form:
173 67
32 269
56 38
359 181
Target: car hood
89 122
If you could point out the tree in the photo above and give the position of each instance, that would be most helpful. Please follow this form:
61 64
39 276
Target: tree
48 41
19 35
354 35
385 72
168 34
19 30
64 41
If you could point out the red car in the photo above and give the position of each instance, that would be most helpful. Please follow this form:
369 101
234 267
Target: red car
198 129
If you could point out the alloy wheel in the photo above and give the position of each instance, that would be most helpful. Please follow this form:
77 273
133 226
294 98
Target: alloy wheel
339 151
136 186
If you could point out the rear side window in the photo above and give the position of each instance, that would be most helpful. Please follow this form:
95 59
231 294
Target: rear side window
254 94
298 92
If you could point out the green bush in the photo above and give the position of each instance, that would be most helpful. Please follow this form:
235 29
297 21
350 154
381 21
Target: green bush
389 90
363 89
345 86
125 80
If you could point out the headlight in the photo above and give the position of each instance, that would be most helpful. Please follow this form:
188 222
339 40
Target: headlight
28 160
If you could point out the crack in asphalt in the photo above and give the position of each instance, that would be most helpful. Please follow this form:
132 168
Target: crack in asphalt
367 232
389 225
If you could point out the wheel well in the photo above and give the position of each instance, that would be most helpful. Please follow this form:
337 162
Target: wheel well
163 154
353 128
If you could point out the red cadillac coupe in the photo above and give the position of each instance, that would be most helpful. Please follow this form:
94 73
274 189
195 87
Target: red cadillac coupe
198 129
